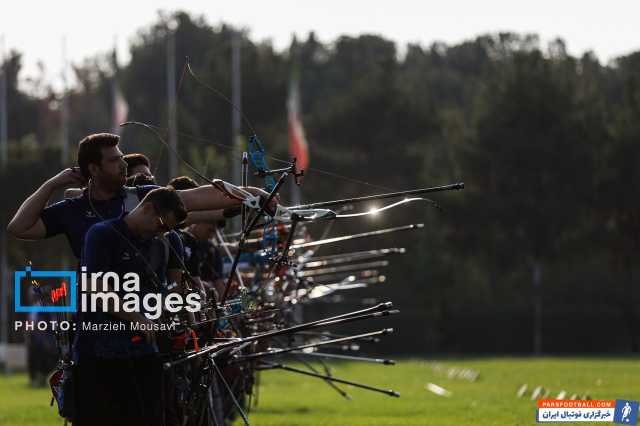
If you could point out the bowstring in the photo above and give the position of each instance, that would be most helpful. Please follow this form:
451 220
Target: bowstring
249 124
175 109
155 129
221 95
187 68
205 141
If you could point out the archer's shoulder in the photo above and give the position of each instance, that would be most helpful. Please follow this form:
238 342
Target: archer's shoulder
66 203
103 229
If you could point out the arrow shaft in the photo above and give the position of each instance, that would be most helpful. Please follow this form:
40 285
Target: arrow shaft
316 262
454 186
345 357
338 278
357 236
344 268
372 312
270 366
312 345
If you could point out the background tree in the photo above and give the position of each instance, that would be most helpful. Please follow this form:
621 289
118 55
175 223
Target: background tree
545 142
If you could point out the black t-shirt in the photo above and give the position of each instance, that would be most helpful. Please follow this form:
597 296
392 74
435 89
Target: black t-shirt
111 247
211 268
74 216
201 258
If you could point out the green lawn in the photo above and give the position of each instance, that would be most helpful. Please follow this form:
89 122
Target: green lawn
288 399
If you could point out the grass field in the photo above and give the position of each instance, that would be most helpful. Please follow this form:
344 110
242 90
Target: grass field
288 399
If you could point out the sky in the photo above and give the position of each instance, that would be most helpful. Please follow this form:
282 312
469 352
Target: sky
37 28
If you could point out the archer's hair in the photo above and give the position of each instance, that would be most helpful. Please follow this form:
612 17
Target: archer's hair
166 200
183 182
134 160
90 150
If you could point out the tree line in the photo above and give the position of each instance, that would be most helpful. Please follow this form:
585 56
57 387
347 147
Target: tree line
536 254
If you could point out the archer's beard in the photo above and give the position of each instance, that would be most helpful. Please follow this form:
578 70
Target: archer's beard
113 183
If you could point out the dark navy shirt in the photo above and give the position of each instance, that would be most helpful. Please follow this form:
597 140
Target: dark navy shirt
202 259
176 252
211 268
74 216
110 246
192 256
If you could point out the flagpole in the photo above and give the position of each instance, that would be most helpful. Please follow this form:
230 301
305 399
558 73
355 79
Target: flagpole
64 108
293 109
119 106
172 25
4 305
5 285
3 107
236 124
297 141
115 126
295 195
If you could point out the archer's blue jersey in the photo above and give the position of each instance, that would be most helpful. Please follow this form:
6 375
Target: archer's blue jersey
74 216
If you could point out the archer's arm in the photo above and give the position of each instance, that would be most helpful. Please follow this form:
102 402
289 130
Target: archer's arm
204 216
210 198
26 223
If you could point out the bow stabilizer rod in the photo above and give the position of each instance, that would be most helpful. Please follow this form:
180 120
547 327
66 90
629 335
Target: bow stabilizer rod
356 236
279 351
454 186
271 366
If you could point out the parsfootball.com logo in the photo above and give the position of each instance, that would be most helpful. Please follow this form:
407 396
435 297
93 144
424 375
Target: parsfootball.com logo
98 291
